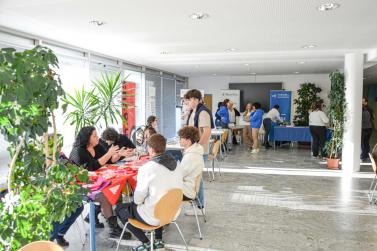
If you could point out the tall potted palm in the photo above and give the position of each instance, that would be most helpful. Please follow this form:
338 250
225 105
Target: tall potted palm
336 113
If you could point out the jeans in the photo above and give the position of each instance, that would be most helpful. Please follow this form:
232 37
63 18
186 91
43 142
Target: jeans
200 200
60 229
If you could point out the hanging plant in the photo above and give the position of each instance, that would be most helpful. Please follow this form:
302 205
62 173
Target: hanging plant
307 95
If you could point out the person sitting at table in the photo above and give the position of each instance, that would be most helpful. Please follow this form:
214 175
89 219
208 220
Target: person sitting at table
273 116
111 137
192 164
87 152
154 179
256 117
317 127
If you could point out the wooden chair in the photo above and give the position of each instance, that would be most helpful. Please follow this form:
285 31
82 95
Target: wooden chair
41 246
212 157
194 205
373 185
165 211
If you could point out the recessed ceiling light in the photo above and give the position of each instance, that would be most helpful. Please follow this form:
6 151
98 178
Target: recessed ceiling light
199 16
309 46
97 22
246 64
301 62
253 73
230 49
214 74
164 52
296 72
328 6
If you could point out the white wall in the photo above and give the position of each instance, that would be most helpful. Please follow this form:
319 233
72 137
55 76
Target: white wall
213 84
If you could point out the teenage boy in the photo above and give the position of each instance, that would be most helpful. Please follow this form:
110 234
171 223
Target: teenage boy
154 179
192 164
201 118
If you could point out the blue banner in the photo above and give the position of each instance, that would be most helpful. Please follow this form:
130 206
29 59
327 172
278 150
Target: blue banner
283 99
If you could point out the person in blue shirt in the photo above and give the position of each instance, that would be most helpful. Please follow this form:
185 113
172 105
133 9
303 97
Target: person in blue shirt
224 114
256 118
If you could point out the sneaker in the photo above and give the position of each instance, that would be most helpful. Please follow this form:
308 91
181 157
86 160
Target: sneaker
159 245
143 247
255 150
61 241
190 212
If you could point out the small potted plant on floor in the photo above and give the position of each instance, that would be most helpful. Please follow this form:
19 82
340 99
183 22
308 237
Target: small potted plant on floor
336 113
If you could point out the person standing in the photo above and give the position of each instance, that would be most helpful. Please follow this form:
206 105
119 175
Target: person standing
366 133
201 118
224 114
256 117
317 127
273 116
246 132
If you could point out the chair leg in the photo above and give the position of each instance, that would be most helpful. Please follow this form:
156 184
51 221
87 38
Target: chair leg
201 209
152 240
197 220
370 189
79 232
374 190
180 232
121 235
219 165
213 169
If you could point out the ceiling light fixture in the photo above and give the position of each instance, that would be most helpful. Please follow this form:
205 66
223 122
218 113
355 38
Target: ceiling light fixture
253 73
199 16
296 72
230 50
214 74
309 46
301 62
328 6
246 64
97 22
164 52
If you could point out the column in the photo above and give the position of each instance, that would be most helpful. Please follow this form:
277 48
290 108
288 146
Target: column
353 72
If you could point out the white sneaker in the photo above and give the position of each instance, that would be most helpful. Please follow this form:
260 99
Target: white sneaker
190 212
255 150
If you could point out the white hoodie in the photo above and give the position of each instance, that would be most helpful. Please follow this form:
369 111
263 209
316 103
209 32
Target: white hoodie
154 179
192 165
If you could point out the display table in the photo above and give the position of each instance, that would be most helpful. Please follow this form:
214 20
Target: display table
297 133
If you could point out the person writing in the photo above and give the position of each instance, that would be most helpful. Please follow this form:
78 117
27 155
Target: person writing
154 179
317 127
273 116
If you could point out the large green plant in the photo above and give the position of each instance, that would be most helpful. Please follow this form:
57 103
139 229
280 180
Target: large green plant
100 106
307 95
336 113
38 193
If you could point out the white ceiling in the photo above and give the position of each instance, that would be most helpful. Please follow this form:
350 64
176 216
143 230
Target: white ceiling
268 34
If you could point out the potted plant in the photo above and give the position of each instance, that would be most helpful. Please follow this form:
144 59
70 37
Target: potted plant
40 192
307 95
336 114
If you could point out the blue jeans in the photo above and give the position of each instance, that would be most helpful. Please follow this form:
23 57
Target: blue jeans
60 229
201 188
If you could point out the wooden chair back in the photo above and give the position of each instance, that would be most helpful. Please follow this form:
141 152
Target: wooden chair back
224 137
197 183
41 246
168 206
216 148
373 163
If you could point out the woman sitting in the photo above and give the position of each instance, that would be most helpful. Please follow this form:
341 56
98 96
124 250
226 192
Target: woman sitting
88 153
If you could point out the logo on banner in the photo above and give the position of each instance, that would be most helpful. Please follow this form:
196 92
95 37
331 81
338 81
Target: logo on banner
114 189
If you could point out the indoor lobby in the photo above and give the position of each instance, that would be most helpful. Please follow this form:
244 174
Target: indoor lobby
203 125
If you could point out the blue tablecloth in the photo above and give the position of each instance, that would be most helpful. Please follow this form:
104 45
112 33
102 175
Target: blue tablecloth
299 133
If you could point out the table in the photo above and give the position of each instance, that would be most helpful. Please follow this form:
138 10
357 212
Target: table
236 128
297 133
124 174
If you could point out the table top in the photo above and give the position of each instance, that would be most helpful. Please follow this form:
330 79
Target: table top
217 131
234 127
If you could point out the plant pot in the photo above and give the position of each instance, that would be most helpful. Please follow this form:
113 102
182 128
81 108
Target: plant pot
333 163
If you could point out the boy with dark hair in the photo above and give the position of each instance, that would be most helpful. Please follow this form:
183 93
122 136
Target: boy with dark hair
201 118
154 179
111 137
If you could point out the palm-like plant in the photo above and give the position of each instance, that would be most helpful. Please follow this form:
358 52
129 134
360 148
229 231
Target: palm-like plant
83 106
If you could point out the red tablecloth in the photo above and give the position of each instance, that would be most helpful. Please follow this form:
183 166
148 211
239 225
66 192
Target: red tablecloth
117 177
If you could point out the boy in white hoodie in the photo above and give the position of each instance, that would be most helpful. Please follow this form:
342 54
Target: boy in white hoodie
154 179
192 163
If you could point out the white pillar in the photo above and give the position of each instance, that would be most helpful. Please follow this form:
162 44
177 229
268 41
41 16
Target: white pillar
353 72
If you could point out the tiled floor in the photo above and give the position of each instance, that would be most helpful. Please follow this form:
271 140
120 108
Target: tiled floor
251 208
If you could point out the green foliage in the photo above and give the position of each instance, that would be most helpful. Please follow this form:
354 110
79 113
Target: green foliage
307 96
39 194
99 106
336 113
